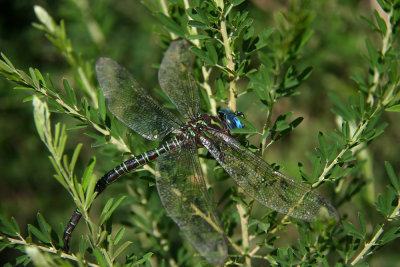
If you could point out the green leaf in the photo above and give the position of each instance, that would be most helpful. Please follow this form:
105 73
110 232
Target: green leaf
109 209
243 131
352 230
392 175
317 169
394 108
15 225
9 228
390 235
202 55
341 109
369 22
264 226
121 248
74 158
373 54
237 2
384 204
45 19
198 37
247 124
87 175
323 145
70 93
100 258
212 53
197 24
280 123
221 89
362 224
381 23
171 25
387 5
8 62
119 235
82 245
145 258
90 188
44 226
36 232
5 67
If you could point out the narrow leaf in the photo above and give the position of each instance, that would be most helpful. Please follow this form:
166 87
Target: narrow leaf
394 108
352 230
100 258
119 235
8 227
392 176
75 157
391 234
171 25
45 228
45 19
323 145
121 248
36 232
143 259
87 175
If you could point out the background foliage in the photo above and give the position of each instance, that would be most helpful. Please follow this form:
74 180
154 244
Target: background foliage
353 85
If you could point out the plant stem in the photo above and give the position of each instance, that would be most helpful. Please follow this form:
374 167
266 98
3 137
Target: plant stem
375 238
230 64
354 140
204 70
244 223
164 8
51 250
386 45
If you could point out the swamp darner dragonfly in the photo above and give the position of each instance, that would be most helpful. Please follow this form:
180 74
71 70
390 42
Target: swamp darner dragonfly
179 179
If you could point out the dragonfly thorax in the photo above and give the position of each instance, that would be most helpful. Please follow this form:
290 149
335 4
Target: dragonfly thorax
194 127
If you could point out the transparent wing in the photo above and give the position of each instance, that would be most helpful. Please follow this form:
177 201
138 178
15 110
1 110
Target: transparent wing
131 104
176 79
183 193
271 188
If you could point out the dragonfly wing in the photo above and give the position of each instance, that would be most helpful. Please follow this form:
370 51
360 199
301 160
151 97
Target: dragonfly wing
176 79
271 188
131 104
182 190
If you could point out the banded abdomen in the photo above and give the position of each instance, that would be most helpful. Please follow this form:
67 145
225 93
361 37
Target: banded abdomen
117 172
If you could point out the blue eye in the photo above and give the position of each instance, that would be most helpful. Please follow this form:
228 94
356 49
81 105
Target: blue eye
230 118
238 123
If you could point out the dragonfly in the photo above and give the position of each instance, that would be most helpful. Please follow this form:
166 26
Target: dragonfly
179 179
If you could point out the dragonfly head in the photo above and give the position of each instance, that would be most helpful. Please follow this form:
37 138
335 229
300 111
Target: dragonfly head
230 118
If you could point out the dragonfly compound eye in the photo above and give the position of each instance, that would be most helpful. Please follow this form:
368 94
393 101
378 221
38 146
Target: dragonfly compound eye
230 118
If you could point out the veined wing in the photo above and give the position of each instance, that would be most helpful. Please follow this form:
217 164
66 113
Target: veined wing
182 190
131 104
271 188
176 79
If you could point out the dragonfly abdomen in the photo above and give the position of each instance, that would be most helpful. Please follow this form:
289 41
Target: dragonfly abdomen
135 162
114 174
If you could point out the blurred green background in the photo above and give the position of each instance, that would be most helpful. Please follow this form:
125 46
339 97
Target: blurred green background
335 53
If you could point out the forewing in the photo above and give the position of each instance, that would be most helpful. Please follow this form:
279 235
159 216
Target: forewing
131 104
176 79
182 190
271 188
